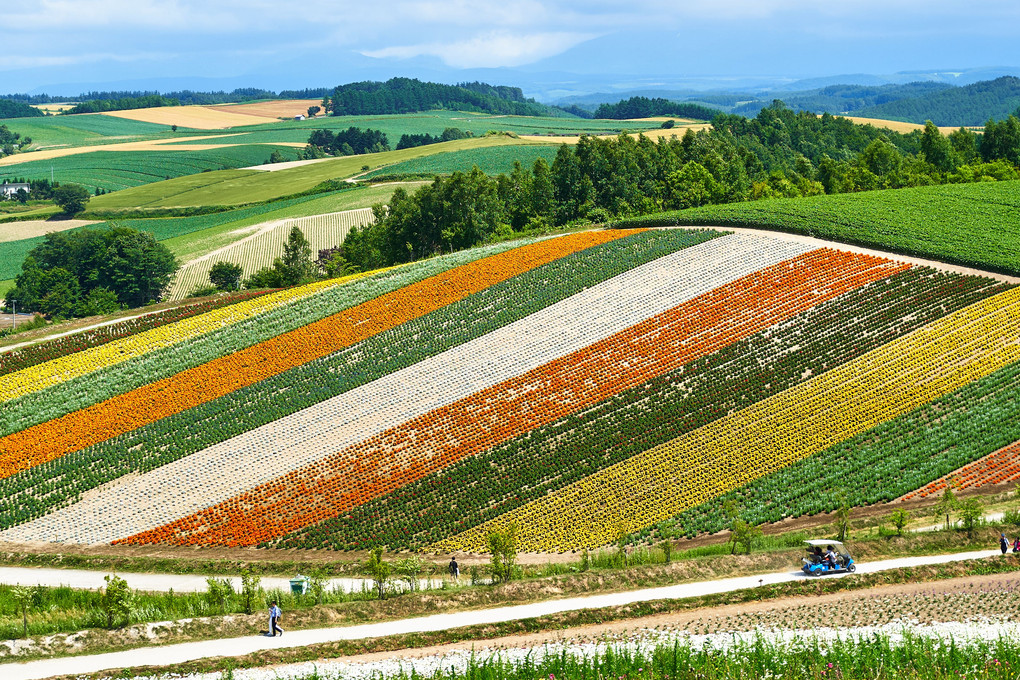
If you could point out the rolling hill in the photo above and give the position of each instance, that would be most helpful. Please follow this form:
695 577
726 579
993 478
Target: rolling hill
580 389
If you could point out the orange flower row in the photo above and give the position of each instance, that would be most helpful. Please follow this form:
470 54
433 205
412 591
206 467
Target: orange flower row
1000 467
198 385
566 385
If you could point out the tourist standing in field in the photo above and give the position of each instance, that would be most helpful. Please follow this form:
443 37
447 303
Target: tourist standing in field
274 620
454 569
1003 543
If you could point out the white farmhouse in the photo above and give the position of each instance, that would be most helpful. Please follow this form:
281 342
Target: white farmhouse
10 190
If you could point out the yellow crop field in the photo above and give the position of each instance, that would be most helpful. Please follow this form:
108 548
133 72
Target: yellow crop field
197 117
264 245
15 231
281 108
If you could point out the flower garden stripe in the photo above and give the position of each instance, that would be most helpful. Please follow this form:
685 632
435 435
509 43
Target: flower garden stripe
999 467
33 492
93 359
769 435
554 390
880 464
78 393
47 350
261 455
221 376
507 476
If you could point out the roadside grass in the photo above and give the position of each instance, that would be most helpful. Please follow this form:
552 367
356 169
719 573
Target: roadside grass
238 187
5 285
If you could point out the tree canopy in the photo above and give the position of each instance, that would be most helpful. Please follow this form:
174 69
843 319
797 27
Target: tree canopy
93 271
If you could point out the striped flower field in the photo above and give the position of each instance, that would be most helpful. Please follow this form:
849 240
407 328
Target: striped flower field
577 388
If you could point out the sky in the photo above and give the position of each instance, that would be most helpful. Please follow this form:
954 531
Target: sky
73 45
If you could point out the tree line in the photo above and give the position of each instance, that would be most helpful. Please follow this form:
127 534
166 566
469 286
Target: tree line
410 95
409 141
643 107
968 105
346 142
14 109
123 104
780 153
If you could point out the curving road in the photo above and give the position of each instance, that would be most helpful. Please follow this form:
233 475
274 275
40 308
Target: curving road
179 653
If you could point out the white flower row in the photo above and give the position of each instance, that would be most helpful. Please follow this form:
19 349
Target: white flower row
240 464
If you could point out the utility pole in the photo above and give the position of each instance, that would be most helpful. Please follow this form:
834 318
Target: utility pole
14 308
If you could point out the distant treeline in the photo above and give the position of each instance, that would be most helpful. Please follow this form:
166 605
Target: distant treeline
409 95
643 107
449 134
780 153
837 99
970 105
183 97
346 142
124 104
12 109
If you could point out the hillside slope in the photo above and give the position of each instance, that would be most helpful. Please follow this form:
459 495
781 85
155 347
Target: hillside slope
576 388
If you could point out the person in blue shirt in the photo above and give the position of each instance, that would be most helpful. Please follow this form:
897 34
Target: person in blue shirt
274 620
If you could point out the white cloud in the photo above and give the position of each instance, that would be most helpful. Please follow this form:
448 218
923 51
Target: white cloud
490 50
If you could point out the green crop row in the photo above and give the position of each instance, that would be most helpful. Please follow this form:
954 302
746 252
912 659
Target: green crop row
33 492
81 392
969 224
115 170
508 476
491 160
880 465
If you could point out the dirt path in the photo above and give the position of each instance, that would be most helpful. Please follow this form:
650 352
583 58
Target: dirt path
173 654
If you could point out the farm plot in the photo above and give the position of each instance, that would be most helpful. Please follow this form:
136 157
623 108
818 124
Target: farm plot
261 248
654 375
973 225
195 117
116 170
492 161
287 108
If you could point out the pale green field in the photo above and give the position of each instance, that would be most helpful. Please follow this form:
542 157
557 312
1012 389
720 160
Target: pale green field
196 244
238 187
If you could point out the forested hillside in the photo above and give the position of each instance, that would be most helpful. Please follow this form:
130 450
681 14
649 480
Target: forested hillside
409 95
969 105
643 107
12 109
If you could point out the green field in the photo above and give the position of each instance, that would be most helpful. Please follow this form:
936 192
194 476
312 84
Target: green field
84 130
432 122
190 237
116 170
492 161
238 187
975 225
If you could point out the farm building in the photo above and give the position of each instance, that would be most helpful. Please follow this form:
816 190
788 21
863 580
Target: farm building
10 190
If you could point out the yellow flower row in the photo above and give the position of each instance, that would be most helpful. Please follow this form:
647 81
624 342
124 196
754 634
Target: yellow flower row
776 432
72 366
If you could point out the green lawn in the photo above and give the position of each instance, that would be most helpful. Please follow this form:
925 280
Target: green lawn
492 160
975 225
116 170
237 187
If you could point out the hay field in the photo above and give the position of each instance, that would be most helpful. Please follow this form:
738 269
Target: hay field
15 231
656 134
897 125
266 243
54 107
280 108
195 117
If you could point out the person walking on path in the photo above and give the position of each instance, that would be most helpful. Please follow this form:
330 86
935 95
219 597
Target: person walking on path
454 569
1003 543
274 620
